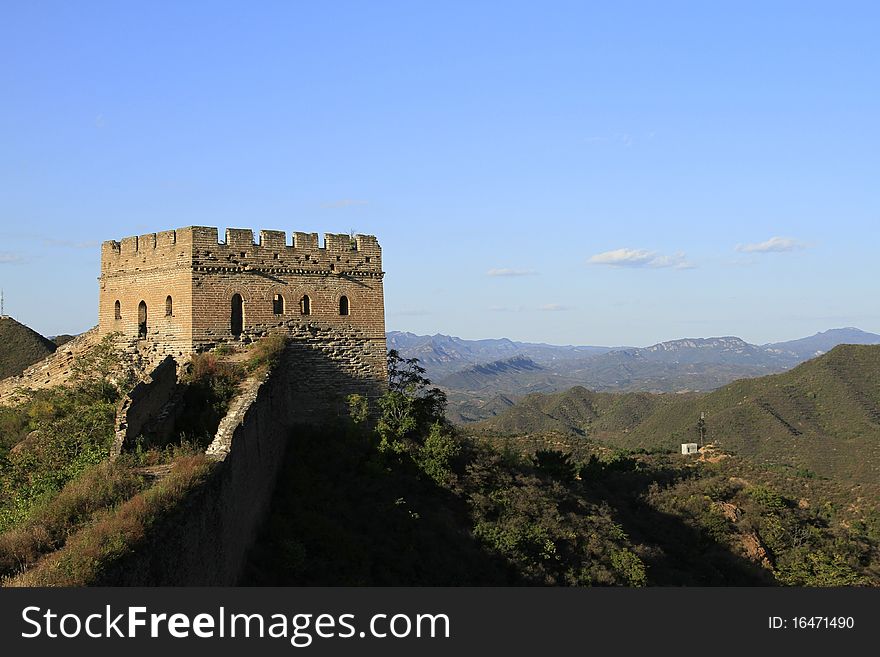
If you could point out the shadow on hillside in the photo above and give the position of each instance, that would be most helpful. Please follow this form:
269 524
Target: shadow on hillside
343 516
679 554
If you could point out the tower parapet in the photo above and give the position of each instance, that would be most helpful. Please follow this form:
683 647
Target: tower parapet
273 251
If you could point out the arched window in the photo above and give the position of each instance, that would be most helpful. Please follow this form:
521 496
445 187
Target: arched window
142 320
305 305
343 305
236 322
169 307
117 310
278 304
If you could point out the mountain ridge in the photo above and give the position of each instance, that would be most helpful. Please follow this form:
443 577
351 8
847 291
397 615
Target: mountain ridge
822 416
20 347
466 369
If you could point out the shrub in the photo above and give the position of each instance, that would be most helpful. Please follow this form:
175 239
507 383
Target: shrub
818 568
70 429
358 409
436 455
767 498
211 384
629 567
13 427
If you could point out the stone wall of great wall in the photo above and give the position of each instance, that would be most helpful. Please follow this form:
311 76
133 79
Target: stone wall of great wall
206 539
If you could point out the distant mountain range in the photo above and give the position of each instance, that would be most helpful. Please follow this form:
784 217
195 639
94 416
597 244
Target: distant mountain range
442 354
483 376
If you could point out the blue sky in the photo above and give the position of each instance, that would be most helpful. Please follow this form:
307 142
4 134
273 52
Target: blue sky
589 173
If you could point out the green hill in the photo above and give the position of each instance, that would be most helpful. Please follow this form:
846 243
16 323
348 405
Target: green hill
822 417
20 347
578 410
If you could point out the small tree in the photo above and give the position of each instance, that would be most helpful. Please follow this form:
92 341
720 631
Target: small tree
405 374
436 454
410 406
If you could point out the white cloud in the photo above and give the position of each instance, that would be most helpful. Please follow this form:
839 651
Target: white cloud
552 307
8 258
773 245
344 203
511 272
641 258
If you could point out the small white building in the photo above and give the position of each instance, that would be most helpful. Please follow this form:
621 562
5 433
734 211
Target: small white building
689 448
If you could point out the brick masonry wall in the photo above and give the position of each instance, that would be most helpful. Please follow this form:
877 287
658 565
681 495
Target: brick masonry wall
149 269
203 275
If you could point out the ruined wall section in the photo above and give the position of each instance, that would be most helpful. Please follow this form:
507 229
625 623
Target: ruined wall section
145 410
149 268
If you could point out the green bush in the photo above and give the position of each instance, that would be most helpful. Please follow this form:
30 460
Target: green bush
56 434
629 567
768 498
50 522
114 533
68 431
807 567
436 454
358 409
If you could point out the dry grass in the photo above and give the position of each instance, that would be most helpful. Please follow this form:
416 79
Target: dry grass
114 533
266 351
48 526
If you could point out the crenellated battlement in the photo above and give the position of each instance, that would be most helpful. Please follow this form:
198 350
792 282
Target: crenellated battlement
201 247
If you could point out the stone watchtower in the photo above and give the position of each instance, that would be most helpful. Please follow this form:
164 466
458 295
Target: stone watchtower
182 291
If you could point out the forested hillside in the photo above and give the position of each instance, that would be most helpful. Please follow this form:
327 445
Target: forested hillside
822 416
416 502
